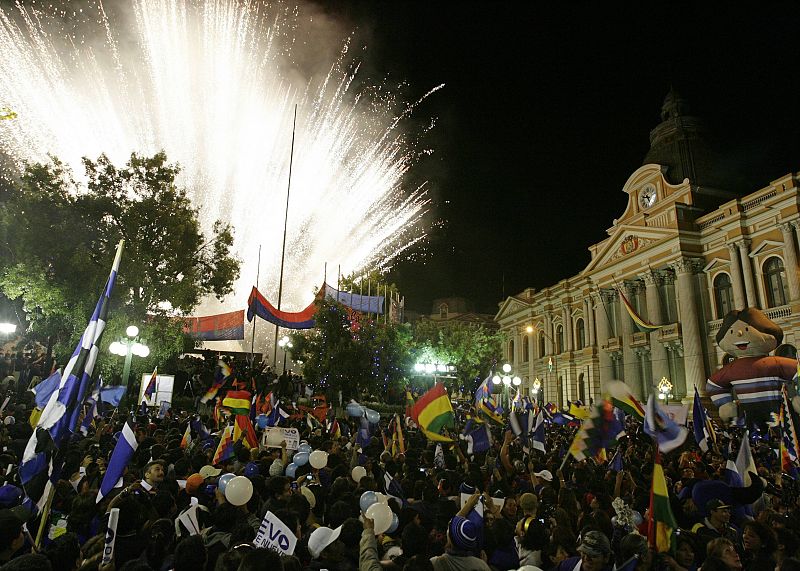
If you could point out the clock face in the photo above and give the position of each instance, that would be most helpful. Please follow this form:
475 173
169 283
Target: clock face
647 197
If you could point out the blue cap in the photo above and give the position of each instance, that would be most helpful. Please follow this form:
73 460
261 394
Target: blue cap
251 470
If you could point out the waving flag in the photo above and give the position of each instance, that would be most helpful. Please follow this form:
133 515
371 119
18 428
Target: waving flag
60 415
224 449
616 462
598 432
46 388
662 526
243 428
187 436
221 375
668 434
123 452
703 430
478 440
199 429
433 412
151 385
238 402
789 438
538 432
621 397
113 394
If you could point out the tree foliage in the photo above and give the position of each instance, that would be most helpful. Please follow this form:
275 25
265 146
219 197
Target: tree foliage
337 356
471 348
58 241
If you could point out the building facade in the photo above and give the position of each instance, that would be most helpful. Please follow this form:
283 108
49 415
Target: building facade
689 247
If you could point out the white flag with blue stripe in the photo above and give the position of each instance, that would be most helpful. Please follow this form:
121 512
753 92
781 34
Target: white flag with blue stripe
120 458
60 415
668 434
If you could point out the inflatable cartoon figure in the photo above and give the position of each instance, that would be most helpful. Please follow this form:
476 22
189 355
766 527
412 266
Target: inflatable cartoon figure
753 378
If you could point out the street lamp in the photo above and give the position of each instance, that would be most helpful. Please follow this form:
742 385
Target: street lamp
664 390
507 379
435 370
285 343
128 348
8 328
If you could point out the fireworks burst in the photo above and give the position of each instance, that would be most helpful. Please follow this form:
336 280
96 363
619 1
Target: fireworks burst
214 83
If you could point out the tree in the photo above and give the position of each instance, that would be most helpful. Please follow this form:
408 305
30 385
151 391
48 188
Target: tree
471 348
338 356
58 240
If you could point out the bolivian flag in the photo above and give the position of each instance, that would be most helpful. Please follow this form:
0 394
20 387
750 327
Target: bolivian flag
640 324
187 436
433 412
620 396
238 402
243 429
662 525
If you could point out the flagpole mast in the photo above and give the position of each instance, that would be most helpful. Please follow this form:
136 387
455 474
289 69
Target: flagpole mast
253 337
283 248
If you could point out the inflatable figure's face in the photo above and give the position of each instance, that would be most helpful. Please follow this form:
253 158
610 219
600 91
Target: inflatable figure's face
744 340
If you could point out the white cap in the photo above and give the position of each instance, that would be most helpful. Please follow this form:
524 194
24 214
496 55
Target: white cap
321 538
544 475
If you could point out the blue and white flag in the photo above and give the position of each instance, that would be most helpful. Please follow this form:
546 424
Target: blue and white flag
703 430
616 463
479 440
199 428
276 414
393 488
92 411
46 388
521 423
60 415
668 434
744 460
123 452
538 432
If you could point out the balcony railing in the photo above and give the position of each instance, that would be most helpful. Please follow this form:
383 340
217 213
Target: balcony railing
669 332
774 313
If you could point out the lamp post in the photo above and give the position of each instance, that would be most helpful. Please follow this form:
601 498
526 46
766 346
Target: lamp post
550 364
128 347
507 380
664 390
285 343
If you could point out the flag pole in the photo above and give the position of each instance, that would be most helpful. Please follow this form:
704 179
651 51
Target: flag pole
283 248
45 517
253 337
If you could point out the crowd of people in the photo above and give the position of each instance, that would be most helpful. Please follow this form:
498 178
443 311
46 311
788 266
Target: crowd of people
531 513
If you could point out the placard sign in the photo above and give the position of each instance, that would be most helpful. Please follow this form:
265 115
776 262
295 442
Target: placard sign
274 435
677 412
274 534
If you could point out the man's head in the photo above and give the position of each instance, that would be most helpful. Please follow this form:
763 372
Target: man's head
719 513
595 551
11 538
154 472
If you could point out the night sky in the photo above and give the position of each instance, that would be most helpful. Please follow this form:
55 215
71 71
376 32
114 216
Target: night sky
547 111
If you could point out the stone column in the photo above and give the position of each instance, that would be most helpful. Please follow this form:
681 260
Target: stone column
566 317
790 255
690 328
796 224
548 338
739 298
588 322
629 363
747 269
658 353
605 372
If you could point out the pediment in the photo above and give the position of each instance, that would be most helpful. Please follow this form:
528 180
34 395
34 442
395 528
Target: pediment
716 262
765 246
628 240
509 307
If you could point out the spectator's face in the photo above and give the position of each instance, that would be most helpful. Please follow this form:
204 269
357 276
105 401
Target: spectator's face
731 558
684 555
510 508
722 515
155 474
592 562
750 540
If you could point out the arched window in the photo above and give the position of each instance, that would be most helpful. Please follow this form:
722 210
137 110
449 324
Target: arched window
541 345
511 350
580 334
723 295
560 339
775 282
562 397
443 310
581 389
525 353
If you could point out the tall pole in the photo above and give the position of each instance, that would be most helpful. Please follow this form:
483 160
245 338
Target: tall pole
283 248
253 337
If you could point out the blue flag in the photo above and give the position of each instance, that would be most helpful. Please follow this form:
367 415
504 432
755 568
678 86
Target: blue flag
113 394
538 432
123 452
59 418
479 440
46 388
616 461
703 430
668 434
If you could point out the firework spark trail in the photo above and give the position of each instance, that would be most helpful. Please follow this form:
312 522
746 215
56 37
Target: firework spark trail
214 84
